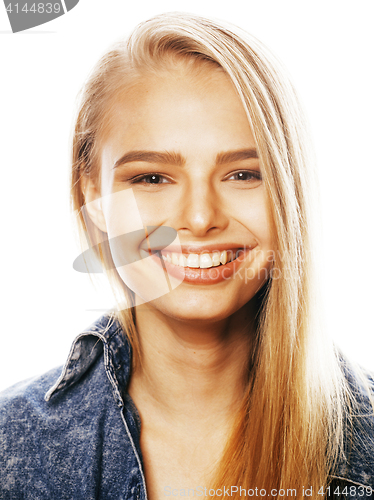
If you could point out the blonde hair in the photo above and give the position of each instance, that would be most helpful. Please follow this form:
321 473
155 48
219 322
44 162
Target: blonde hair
289 431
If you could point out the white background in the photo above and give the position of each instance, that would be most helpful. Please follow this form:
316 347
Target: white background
328 48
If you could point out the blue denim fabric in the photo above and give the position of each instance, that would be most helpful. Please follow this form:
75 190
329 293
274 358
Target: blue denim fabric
75 434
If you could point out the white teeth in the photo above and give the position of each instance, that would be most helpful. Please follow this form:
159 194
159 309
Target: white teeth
193 260
215 259
182 260
202 261
205 261
230 255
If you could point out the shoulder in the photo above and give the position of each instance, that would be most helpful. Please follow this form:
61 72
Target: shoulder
55 424
30 389
357 464
23 421
95 354
21 405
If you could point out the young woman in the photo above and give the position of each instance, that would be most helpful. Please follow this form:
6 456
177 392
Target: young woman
193 185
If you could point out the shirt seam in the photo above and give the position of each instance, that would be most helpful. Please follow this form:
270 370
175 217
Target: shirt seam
136 454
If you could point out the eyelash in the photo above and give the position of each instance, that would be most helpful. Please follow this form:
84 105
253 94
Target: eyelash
138 180
253 173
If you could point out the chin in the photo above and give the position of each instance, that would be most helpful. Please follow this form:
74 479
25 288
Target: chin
195 311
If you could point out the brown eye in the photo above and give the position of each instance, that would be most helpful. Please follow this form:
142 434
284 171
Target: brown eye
246 176
152 179
155 179
252 177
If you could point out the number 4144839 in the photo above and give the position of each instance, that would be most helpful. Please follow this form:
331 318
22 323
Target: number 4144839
353 491
36 8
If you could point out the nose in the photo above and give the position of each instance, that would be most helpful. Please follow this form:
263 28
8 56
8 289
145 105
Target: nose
202 211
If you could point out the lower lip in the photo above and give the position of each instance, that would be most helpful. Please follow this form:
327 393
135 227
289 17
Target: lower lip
205 276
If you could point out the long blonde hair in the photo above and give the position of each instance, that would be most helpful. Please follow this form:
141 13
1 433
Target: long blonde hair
289 431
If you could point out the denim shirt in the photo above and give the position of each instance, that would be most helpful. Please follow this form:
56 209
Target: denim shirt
75 433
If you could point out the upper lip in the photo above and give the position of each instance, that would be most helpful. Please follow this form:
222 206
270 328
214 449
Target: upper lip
199 249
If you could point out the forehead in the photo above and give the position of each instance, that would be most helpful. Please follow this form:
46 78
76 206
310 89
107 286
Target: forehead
175 99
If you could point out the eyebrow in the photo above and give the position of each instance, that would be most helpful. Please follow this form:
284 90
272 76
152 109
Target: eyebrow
172 158
238 155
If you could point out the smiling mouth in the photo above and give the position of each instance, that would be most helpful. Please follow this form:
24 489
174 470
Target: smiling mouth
203 260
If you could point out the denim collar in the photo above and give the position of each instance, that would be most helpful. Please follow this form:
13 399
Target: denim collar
106 337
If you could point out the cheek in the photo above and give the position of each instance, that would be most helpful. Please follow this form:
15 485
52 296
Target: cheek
251 210
156 208
124 228
121 213
142 273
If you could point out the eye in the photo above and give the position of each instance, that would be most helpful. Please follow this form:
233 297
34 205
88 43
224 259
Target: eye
249 176
155 179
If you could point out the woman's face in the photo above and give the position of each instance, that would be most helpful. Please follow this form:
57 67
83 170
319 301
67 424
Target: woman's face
180 154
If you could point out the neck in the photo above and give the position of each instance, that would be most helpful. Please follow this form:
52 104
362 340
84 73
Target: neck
190 371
